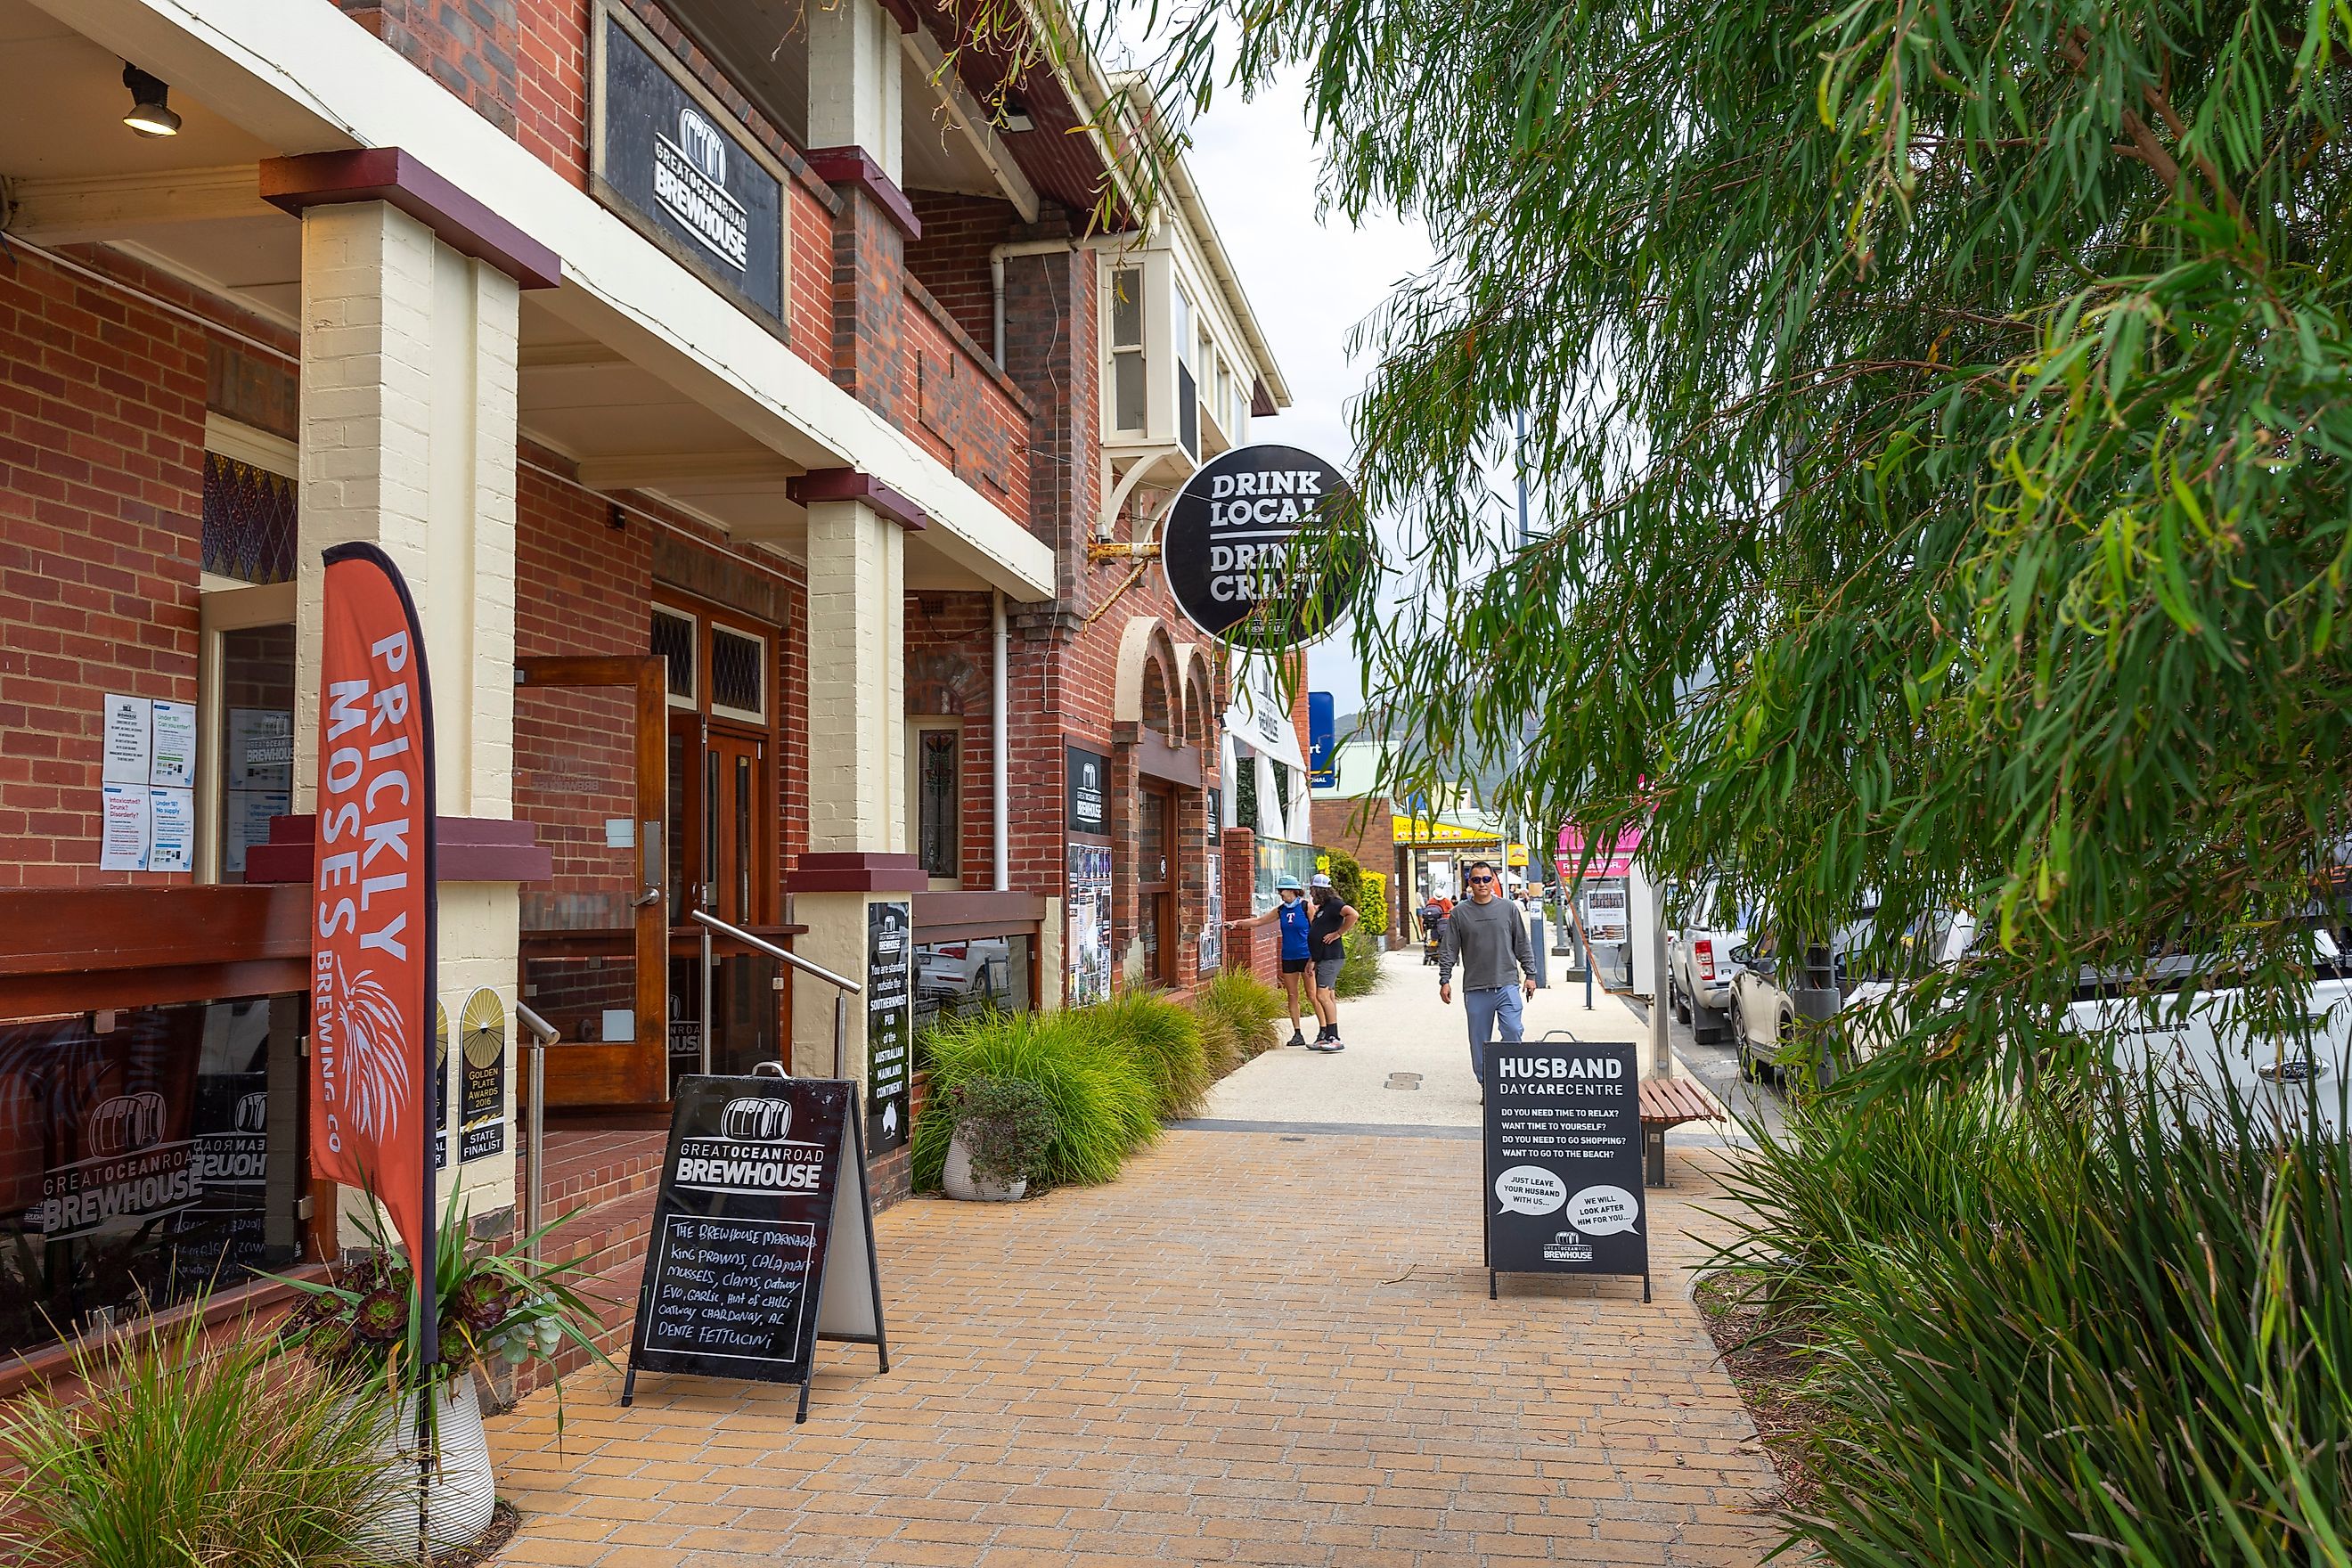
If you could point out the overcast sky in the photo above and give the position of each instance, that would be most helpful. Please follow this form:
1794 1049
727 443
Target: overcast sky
1309 282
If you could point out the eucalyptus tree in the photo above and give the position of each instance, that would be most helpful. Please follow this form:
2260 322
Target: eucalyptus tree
1942 410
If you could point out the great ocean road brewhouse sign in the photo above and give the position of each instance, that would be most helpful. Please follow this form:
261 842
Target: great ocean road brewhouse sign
1240 540
762 1186
669 158
1564 1160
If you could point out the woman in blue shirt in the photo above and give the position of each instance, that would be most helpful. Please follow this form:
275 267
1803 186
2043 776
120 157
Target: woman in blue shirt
1291 913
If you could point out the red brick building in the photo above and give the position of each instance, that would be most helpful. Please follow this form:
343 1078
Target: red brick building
773 436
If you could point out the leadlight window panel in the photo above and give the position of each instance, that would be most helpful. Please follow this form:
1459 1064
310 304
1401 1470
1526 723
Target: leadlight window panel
937 789
1245 788
738 684
673 639
248 521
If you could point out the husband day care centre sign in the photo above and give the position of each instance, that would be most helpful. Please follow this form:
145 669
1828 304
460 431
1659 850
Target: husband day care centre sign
1564 1160
753 1204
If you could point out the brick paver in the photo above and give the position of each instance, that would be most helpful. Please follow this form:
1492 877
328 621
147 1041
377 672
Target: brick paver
1252 1348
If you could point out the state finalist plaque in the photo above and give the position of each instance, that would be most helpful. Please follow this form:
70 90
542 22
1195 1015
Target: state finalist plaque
754 1201
1564 1160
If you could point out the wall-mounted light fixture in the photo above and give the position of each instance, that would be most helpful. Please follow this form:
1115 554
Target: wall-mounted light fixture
150 115
1012 114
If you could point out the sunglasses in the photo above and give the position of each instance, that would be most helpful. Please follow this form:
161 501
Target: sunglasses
1480 881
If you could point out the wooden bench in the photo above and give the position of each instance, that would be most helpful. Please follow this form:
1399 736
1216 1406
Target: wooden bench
1670 1102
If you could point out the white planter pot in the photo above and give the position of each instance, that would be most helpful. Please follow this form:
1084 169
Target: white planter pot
462 1493
956 1177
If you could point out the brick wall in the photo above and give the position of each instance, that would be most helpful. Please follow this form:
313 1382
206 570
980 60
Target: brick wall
962 408
473 48
951 259
1372 841
102 476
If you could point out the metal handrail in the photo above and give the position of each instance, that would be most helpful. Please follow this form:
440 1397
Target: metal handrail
843 989
542 1034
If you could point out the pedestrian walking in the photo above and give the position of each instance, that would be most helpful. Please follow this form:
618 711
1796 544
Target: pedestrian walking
1487 938
1327 931
1292 915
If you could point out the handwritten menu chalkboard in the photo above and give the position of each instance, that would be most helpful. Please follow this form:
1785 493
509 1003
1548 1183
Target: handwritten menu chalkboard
1564 1160
763 1178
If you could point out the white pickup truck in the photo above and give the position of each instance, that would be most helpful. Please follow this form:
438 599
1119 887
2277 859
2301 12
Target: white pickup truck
1700 967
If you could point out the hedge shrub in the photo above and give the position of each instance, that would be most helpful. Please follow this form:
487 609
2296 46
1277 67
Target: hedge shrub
1163 1038
1104 1100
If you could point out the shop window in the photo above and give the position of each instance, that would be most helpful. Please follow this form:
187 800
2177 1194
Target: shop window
1245 789
248 521
984 973
257 767
1129 400
673 639
145 1160
935 756
737 674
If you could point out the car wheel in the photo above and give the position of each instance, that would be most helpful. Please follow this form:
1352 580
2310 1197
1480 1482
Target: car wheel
1747 1057
1681 1003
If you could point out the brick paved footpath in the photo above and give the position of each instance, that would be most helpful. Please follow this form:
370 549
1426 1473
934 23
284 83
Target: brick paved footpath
1252 1348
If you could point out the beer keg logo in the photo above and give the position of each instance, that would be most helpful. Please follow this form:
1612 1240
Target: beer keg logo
252 1113
690 182
751 1121
127 1122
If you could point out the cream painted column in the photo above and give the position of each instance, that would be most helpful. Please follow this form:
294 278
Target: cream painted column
408 442
857 764
854 81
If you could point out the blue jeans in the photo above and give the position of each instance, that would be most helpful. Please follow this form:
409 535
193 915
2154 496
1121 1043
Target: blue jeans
1487 1009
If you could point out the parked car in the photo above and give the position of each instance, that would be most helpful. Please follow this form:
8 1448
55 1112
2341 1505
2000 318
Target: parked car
1701 966
1763 995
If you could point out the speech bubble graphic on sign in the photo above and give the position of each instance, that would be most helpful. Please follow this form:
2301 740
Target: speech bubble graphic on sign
1530 1190
1603 1211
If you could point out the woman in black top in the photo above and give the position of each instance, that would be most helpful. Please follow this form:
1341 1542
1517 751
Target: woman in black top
1332 919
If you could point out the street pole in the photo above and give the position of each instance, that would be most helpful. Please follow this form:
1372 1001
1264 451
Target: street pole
1661 1050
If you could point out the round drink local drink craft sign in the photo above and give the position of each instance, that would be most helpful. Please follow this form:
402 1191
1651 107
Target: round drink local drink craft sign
1232 547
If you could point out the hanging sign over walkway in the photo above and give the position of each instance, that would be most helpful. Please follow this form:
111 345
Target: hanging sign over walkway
371 947
1564 1160
1240 542
763 1181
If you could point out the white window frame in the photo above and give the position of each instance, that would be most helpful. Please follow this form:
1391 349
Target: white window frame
1140 350
241 606
708 649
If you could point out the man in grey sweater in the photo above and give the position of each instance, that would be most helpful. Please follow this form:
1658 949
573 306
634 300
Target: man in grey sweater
1486 937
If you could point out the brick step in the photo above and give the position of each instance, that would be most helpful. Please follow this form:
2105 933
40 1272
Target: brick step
586 1171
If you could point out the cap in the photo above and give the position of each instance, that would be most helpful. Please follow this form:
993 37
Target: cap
1320 879
1289 885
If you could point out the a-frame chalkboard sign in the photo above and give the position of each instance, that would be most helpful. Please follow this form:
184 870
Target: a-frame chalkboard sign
1564 1160
764 1182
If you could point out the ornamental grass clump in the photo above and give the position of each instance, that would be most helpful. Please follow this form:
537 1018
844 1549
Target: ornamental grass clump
1163 1037
176 1453
1359 964
2116 1331
1237 1011
1102 1100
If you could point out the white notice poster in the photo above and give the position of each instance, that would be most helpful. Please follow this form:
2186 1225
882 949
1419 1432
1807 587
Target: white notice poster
172 762
126 740
122 839
171 829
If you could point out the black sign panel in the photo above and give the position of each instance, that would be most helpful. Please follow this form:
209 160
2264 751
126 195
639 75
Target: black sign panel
1088 782
682 173
740 1225
1233 544
1564 1160
890 1022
